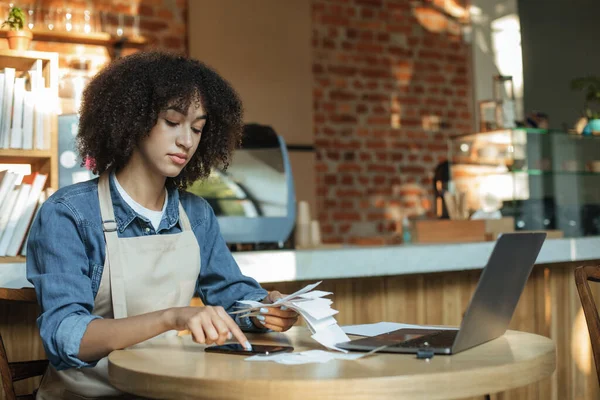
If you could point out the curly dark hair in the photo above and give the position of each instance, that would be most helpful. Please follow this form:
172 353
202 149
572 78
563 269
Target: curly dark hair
122 103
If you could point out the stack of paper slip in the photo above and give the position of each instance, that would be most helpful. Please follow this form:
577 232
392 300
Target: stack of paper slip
313 307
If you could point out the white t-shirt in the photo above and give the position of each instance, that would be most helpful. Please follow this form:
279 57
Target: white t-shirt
154 216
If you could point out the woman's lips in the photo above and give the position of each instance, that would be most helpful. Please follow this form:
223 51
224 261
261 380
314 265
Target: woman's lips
178 159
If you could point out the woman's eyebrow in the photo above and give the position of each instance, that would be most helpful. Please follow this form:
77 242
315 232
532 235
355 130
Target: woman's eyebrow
176 109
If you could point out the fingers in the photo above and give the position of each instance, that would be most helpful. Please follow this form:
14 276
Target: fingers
277 328
277 312
274 296
195 327
234 328
215 329
283 324
213 325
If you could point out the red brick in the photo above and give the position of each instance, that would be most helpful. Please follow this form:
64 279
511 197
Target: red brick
145 10
381 168
383 37
412 169
369 47
361 109
342 70
334 20
172 42
349 167
342 95
376 97
369 3
328 44
378 121
165 14
342 119
349 193
365 13
152 25
347 180
333 155
400 52
346 216
381 156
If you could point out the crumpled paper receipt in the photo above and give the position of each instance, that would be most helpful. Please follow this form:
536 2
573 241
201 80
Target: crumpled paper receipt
314 308
307 357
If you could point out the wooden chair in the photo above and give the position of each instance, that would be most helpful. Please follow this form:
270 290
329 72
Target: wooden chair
15 371
582 276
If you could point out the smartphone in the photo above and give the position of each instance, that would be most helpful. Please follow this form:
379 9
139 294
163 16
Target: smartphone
236 348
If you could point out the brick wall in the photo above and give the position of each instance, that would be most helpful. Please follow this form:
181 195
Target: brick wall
391 84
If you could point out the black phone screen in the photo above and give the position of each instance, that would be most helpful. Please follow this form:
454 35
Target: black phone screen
236 348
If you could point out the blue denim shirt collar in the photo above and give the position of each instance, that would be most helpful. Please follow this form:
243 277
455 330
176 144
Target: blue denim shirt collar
125 215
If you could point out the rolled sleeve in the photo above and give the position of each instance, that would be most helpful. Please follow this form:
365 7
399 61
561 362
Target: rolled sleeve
221 282
71 331
58 268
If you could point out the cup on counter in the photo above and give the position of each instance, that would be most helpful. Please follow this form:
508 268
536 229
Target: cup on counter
315 233
303 226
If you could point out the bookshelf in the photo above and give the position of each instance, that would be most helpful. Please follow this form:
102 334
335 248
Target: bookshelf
43 161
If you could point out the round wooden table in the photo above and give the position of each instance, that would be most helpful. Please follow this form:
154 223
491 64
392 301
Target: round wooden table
177 368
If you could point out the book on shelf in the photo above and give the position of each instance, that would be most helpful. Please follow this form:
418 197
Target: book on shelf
26 109
20 199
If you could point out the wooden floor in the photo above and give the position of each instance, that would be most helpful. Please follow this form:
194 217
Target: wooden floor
549 306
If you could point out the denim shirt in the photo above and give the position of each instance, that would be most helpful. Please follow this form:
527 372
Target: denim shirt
66 252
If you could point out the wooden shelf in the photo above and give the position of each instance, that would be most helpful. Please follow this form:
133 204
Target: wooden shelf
22 60
24 294
25 153
18 156
12 260
95 38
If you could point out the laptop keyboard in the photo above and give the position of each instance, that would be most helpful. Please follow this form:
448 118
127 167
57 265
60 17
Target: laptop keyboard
439 339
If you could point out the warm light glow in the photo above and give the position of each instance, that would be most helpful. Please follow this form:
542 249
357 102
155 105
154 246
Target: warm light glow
431 123
547 297
506 44
432 20
581 347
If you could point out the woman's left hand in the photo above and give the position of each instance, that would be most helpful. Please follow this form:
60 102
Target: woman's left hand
278 319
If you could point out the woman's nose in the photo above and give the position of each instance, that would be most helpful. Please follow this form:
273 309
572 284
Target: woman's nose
185 139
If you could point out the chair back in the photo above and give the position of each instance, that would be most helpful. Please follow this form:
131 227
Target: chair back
15 371
582 276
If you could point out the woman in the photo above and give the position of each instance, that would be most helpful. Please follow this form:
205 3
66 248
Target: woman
115 261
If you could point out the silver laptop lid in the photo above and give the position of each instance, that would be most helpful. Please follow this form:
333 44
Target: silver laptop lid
499 289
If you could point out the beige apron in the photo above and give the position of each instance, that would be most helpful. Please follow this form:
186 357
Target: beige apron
141 274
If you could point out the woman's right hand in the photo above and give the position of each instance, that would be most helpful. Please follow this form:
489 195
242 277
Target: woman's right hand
207 324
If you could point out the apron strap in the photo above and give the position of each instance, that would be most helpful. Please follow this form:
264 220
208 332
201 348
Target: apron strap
109 226
183 219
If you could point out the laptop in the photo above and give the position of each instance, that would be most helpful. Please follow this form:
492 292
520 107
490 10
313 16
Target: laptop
490 309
